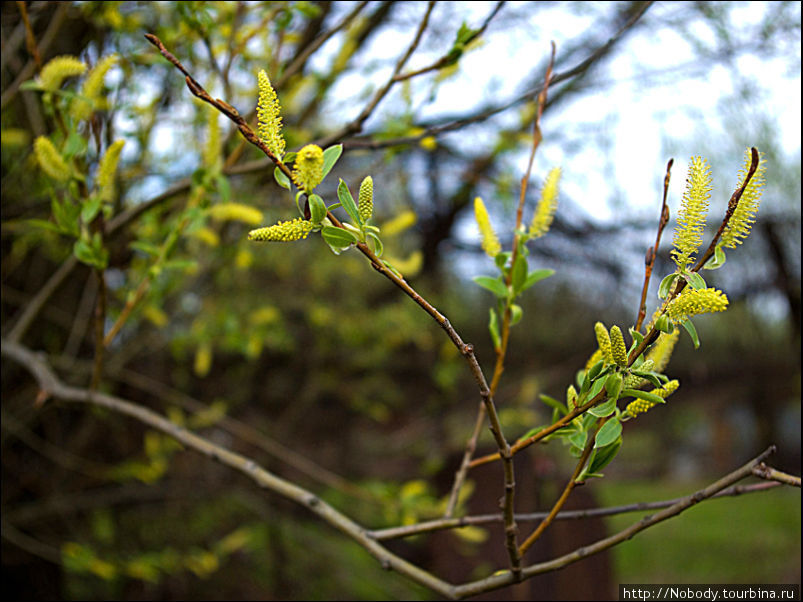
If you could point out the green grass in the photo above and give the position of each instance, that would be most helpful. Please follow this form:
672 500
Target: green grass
752 538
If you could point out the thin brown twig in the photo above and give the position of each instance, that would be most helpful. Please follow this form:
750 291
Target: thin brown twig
471 445
30 39
539 530
484 519
768 473
446 60
649 260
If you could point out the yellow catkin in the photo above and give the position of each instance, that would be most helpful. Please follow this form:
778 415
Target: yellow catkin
308 168
571 397
400 223
604 342
107 168
235 212
211 152
58 69
296 229
661 352
595 357
490 242
692 214
92 91
618 348
545 211
50 160
365 205
639 406
269 116
692 302
743 217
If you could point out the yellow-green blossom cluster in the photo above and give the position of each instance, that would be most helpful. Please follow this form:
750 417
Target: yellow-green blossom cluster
50 160
308 168
106 170
743 217
693 301
58 69
661 351
604 342
634 381
618 348
365 205
693 210
490 242
92 90
639 406
269 116
545 211
235 212
296 229
571 397
595 357
211 152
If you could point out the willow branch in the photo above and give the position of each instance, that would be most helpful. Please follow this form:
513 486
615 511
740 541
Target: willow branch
500 580
485 519
49 382
649 260
499 367
768 473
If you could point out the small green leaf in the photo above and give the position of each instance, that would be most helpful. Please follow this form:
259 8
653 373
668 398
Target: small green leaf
596 387
90 208
290 157
495 285
519 273
493 328
664 325
666 285
317 208
604 409
594 371
281 179
145 247
43 223
609 433
330 157
348 203
554 403
86 253
66 216
379 248
717 260
648 375
613 385
687 324
501 259
536 276
695 280
515 314
531 432
578 439
651 397
338 237
604 454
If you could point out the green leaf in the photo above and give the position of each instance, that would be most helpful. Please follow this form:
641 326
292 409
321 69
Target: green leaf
604 454
43 223
687 324
145 247
651 397
613 385
531 432
180 264
66 216
338 237
330 157
664 325
379 248
515 314
648 375
609 433
493 328
594 371
604 409
666 285
495 285
536 276
578 439
86 253
281 179
90 208
695 280
501 259
348 203
554 403
717 260
317 208
519 273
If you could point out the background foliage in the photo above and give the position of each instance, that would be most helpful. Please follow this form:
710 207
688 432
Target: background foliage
268 348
